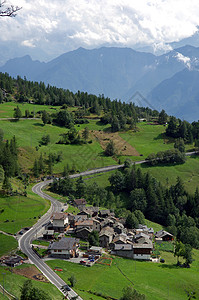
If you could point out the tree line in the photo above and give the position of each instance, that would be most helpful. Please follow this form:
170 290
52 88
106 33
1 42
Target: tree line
118 114
9 166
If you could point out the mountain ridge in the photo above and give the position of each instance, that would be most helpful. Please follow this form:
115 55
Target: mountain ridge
117 73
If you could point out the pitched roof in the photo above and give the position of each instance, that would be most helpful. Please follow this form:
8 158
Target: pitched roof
64 244
105 211
124 247
85 223
141 246
108 231
162 233
80 201
141 235
59 216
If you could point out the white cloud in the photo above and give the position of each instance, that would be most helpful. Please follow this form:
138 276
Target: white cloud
60 26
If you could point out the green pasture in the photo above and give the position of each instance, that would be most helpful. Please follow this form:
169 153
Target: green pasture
94 124
8 243
7 108
148 139
20 211
155 280
13 283
28 134
167 174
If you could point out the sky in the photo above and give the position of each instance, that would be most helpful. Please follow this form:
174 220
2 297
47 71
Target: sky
48 28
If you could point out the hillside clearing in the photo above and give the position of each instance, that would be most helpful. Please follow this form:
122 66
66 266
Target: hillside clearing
122 146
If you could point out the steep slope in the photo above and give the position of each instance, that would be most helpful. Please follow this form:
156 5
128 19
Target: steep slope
109 71
178 95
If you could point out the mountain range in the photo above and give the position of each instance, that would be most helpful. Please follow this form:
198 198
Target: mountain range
169 81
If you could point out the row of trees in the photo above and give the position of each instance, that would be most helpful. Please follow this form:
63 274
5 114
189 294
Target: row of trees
183 129
165 157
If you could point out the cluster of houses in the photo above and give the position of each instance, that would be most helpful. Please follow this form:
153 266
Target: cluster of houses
131 243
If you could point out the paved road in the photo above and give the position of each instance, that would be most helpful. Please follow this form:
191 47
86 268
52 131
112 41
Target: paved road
25 240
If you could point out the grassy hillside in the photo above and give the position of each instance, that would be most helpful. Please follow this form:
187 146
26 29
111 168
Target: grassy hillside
8 243
149 138
189 172
21 211
155 280
13 282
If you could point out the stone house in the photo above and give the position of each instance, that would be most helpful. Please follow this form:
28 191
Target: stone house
59 221
65 248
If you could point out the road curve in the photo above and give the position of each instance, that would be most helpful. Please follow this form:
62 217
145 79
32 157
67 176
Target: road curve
25 241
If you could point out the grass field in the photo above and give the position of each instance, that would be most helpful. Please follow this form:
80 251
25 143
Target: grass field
28 134
8 243
7 109
21 211
14 282
148 139
167 175
155 280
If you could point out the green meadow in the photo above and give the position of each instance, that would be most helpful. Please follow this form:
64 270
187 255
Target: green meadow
7 108
155 280
13 283
8 243
28 134
148 139
167 174
20 211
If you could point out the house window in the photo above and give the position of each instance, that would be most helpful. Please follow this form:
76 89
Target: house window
55 250
59 250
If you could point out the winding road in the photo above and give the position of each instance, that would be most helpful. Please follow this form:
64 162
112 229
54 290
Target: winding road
56 206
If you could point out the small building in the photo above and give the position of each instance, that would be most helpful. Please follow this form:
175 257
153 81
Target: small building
13 261
48 234
88 223
142 251
65 248
123 250
60 221
96 225
104 213
95 250
80 203
83 233
106 237
85 212
163 235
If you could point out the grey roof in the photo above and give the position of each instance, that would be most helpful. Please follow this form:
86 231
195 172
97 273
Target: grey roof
144 241
80 201
83 229
125 247
140 246
108 231
162 233
141 235
105 211
64 244
59 216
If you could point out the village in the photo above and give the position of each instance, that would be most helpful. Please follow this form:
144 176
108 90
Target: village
114 237
65 231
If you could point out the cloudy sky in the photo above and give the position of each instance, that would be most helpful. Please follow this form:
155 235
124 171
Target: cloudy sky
48 28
